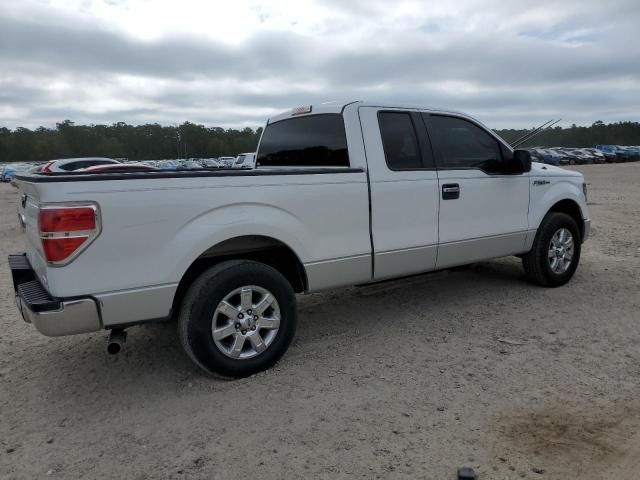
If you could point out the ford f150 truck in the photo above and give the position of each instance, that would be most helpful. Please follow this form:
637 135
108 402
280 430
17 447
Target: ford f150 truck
341 195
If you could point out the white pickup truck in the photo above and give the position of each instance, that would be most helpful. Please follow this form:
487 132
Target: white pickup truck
341 195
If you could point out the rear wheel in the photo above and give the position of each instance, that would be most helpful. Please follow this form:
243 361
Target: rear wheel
237 318
555 254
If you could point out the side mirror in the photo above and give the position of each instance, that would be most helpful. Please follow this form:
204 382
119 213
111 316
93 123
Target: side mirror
521 162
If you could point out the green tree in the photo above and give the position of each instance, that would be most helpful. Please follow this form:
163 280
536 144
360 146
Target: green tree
154 141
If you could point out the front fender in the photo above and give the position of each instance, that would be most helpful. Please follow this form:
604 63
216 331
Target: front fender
543 199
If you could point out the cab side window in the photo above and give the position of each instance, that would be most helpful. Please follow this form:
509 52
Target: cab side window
462 145
399 140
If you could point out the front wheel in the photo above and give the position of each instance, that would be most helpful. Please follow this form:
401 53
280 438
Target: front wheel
555 254
237 318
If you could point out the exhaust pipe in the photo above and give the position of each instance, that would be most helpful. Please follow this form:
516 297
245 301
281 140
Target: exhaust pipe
117 337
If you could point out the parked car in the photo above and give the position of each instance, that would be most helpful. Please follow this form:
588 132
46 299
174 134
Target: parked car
168 165
12 169
542 154
71 164
553 157
537 154
565 156
189 165
622 153
2 173
579 156
226 162
245 160
596 155
633 153
211 163
609 153
341 195
37 167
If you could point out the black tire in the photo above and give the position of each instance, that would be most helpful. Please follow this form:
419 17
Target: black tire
200 302
536 262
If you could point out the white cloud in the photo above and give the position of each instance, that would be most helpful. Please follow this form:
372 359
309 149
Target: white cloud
233 63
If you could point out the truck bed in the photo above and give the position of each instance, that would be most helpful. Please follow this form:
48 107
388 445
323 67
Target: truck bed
156 224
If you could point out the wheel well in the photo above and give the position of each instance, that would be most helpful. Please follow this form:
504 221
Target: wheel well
258 248
572 209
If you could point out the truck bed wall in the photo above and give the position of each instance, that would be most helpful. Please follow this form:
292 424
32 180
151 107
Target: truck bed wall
153 229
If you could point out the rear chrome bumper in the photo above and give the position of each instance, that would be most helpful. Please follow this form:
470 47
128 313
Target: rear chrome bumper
586 230
51 316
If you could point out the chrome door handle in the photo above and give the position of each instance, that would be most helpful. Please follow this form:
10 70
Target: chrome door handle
450 191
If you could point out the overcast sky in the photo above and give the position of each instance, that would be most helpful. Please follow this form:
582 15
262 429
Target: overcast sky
233 63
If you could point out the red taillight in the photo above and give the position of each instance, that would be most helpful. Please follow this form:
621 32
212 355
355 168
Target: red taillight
59 249
66 230
47 167
67 219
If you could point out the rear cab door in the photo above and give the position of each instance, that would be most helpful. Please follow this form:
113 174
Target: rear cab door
483 208
404 191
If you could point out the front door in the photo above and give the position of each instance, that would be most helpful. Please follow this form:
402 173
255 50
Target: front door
483 211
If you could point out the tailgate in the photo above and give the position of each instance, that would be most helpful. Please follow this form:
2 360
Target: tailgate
28 211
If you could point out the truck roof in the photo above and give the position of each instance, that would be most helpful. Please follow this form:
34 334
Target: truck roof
338 107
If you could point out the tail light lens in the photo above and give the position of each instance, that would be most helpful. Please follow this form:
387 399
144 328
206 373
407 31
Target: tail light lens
59 249
66 230
47 167
70 219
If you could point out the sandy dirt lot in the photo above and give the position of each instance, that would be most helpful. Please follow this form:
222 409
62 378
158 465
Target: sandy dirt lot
409 379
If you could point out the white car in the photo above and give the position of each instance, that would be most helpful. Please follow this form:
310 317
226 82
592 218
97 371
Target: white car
226 162
190 164
245 160
211 163
341 195
71 164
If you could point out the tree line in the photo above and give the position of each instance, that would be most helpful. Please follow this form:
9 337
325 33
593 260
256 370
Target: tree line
190 140
120 140
619 133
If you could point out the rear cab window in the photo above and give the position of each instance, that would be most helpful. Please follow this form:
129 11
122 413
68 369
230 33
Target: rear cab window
309 141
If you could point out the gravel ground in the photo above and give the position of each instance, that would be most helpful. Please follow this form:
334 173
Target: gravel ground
407 379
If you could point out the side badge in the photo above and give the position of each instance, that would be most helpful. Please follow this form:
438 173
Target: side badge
541 182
